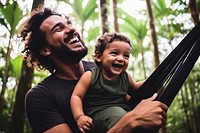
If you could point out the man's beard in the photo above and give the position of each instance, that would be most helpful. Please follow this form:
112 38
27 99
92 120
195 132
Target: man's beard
65 54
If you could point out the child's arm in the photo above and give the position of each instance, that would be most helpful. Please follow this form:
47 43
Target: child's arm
133 84
84 122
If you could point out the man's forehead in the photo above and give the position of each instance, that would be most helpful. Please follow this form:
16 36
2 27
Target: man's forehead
49 22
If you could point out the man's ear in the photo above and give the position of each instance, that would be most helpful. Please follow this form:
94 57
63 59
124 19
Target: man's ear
45 51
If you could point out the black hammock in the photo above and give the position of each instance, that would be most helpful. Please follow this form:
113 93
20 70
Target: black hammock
168 78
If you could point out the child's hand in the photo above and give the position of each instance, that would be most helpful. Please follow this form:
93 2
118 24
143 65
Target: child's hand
84 123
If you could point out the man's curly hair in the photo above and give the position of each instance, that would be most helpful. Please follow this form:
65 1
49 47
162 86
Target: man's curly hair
106 39
34 40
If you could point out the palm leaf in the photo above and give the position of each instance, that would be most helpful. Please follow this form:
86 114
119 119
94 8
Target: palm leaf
12 15
16 66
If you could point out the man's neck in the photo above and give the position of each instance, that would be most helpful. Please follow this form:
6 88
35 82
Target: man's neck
70 71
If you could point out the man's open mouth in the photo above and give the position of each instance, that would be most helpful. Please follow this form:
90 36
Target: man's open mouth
73 40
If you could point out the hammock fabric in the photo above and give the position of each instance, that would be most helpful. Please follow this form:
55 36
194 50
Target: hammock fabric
168 78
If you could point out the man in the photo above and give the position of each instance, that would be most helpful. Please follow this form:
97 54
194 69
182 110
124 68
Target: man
52 43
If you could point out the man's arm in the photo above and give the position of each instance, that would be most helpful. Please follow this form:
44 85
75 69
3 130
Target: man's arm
147 115
61 128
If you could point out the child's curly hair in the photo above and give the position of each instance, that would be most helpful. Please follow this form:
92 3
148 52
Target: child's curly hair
106 39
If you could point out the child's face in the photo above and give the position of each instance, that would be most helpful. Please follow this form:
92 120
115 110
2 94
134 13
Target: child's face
115 58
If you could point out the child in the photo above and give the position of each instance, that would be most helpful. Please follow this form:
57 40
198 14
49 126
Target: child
99 98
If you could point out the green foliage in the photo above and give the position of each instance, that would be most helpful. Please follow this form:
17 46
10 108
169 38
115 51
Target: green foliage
89 11
85 12
160 8
198 4
175 118
163 8
2 55
39 76
181 114
2 21
81 12
16 66
135 28
12 14
92 33
5 119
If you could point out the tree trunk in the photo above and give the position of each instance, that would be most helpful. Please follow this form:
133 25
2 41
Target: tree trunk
195 17
193 104
141 49
194 11
5 77
184 98
38 5
104 17
18 115
115 17
154 42
153 34
7 64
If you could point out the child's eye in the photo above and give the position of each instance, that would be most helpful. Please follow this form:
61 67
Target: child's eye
127 55
114 53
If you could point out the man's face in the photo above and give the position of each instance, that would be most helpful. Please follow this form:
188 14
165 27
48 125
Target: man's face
64 41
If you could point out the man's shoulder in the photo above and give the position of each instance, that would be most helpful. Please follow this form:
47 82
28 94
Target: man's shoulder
41 86
88 64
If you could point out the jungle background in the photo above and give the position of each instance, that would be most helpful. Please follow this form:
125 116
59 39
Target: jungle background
155 28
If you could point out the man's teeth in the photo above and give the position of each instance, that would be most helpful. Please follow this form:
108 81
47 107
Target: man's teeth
73 40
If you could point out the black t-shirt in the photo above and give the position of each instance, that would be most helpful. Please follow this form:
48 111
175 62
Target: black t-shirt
48 103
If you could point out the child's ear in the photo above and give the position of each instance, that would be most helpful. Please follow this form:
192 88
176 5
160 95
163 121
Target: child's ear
45 51
98 56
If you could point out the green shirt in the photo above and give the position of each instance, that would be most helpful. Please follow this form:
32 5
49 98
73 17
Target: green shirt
103 93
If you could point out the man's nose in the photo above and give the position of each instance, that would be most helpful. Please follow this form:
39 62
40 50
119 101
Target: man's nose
69 29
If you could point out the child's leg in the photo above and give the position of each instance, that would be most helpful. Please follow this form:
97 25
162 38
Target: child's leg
105 119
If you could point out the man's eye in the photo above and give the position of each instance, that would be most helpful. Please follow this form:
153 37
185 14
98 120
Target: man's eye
69 22
57 29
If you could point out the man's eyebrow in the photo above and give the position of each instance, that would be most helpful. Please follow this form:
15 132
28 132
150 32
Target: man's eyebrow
58 24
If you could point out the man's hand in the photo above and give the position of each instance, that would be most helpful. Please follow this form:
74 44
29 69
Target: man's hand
147 116
150 114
